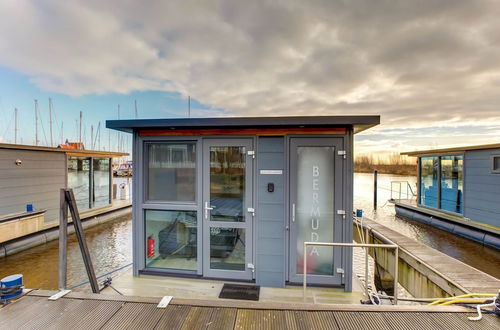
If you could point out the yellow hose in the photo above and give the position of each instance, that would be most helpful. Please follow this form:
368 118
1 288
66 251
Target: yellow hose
464 301
442 300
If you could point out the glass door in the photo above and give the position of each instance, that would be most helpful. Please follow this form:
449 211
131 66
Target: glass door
315 197
227 209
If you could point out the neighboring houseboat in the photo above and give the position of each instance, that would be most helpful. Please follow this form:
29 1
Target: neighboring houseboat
30 181
459 191
235 198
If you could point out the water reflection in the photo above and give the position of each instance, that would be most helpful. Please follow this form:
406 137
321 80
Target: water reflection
110 246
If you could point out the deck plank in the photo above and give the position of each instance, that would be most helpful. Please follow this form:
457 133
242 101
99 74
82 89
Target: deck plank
222 318
23 308
322 320
99 315
52 311
125 317
197 318
173 317
361 320
34 312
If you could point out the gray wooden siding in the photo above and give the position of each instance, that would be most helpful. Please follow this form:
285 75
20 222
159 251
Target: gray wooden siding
270 240
36 181
482 188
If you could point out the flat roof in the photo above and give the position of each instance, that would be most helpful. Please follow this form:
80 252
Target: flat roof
74 152
359 123
451 150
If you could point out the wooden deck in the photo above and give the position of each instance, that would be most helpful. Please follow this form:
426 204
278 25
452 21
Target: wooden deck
92 311
440 266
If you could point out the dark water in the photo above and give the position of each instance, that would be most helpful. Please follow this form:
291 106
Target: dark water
110 244
483 258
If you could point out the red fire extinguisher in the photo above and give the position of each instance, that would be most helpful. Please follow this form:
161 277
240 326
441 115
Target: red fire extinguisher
151 246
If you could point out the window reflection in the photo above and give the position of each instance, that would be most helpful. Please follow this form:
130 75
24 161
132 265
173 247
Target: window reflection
79 181
429 180
227 248
101 195
452 183
227 183
171 239
172 171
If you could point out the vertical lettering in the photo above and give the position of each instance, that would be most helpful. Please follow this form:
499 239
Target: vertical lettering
315 170
314 250
314 224
315 184
314 237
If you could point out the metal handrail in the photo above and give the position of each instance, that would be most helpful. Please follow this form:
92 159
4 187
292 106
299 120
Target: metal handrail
365 245
409 189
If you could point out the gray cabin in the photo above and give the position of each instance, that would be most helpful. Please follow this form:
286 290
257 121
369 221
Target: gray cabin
458 189
31 178
235 198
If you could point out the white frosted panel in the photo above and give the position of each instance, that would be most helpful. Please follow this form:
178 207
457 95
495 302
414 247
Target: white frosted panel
315 207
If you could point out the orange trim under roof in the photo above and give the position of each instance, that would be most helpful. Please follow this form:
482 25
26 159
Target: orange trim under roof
243 131
451 150
88 153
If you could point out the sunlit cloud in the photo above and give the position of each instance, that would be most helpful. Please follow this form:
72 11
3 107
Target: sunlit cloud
430 69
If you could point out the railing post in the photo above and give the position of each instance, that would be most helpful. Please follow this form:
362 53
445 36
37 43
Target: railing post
366 273
63 240
396 270
375 174
304 282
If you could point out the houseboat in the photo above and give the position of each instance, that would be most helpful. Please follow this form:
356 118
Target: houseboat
458 191
30 181
235 198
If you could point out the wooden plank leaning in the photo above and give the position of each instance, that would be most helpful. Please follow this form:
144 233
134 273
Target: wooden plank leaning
77 223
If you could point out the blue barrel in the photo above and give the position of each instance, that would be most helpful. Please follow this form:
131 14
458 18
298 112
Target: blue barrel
359 213
12 281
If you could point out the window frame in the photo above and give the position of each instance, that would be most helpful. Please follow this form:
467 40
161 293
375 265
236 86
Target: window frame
172 270
493 170
141 180
152 202
439 179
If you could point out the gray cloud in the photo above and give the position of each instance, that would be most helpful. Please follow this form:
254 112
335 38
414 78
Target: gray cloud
417 63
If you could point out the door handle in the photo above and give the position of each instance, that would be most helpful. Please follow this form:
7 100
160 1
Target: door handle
207 208
293 212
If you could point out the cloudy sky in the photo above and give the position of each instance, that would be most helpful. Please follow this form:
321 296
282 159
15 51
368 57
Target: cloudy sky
431 69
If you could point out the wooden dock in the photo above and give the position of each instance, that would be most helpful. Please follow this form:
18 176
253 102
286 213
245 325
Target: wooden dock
94 311
452 275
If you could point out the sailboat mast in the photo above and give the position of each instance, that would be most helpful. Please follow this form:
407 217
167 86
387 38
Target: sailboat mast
81 117
92 137
15 126
50 122
36 122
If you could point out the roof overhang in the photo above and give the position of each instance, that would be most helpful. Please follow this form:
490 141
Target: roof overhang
454 150
72 152
358 123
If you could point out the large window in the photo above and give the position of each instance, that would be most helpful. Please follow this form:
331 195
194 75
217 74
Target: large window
452 183
429 181
171 171
441 182
171 239
90 180
79 181
102 179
